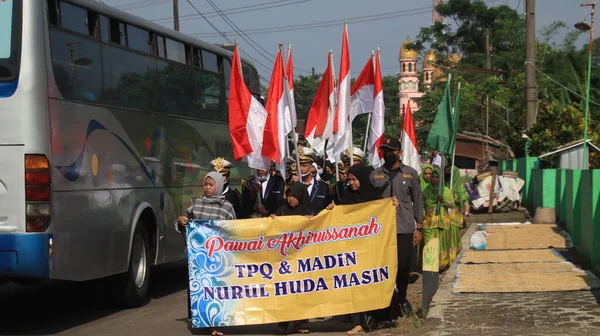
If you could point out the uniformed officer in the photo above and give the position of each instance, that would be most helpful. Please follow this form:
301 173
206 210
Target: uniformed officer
223 167
358 157
394 179
317 191
268 187
339 188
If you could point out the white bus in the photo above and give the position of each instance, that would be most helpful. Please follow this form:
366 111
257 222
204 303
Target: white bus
107 124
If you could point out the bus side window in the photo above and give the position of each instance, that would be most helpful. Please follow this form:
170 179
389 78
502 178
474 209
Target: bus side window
175 51
52 13
160 43
117 32
73 18
227 74
210 61
104 29
138 39
93 24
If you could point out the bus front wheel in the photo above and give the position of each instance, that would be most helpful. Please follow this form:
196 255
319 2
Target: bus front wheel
134 283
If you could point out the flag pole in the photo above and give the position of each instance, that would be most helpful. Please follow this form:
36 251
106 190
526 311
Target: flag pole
370 114
350 143
287 93
441 187
454 142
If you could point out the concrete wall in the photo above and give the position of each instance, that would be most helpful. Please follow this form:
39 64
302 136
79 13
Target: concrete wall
575 196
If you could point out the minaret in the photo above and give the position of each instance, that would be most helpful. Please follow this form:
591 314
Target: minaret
428 69
435 16
409 77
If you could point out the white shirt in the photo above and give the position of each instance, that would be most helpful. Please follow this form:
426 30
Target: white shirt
310 185
437 161
264 185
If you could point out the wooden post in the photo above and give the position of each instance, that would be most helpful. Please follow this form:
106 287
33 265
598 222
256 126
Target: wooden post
492 190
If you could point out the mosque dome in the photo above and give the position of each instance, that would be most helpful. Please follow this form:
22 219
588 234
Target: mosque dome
454 59
408 53
430 59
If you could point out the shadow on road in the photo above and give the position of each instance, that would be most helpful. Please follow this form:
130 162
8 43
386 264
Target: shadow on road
56 306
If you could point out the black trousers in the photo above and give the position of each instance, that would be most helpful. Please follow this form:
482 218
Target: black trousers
405 252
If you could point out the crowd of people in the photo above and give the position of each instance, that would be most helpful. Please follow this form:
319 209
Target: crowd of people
424 209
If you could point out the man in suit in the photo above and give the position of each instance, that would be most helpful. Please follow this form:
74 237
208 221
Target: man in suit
339 188
223 167
358 157
262 194
317 191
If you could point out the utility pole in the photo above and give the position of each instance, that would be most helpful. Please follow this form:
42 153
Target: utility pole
176 15
530 59
488 65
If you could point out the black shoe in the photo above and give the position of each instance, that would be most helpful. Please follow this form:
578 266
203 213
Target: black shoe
406 309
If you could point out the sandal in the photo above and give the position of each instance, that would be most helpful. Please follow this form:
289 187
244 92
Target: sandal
356 330
216 333
299 330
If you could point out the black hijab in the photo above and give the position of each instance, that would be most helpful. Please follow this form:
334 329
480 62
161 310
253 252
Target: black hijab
366 192
300 191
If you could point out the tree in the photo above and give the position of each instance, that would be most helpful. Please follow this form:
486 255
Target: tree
561 75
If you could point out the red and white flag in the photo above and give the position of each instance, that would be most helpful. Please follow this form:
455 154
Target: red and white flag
342 122
278 124
410 150
247 118
378 118
362 93
319 125
290 77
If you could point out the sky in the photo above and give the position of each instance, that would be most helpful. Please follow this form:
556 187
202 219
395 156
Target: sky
313 27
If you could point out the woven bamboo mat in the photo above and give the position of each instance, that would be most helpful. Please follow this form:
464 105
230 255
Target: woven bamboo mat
519 282
511 256
543 267
526 237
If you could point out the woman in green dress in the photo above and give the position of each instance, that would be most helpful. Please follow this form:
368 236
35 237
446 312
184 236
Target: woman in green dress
438 225
425 176
461 201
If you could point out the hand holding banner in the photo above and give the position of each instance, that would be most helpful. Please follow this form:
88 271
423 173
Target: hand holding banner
268 270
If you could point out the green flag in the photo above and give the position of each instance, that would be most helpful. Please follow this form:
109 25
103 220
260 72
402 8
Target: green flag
455 119
442 131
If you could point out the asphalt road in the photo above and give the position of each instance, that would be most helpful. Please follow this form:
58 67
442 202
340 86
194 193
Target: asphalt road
64 308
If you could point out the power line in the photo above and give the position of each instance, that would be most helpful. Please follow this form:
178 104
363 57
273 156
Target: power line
230 41
564 87
245 37
238 10
328 23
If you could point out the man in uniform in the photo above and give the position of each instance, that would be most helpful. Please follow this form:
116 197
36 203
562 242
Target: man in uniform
223 167
394 179
317 191
339 188
357 157
262 194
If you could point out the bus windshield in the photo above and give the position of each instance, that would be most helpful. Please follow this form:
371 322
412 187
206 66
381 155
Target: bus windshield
9 38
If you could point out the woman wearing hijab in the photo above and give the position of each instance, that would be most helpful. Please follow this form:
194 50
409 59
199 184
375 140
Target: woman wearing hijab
212 206
437 225
297 204
461 206
297 201
425 176
360 190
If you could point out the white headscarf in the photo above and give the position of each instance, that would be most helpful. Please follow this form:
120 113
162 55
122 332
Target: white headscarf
219 184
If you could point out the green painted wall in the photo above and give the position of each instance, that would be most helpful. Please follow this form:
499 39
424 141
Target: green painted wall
575 196
584 208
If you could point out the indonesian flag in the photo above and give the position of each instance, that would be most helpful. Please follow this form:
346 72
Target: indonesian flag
362 92
290 77
247 118
278 123
319 125
342 123
410 151
377 120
